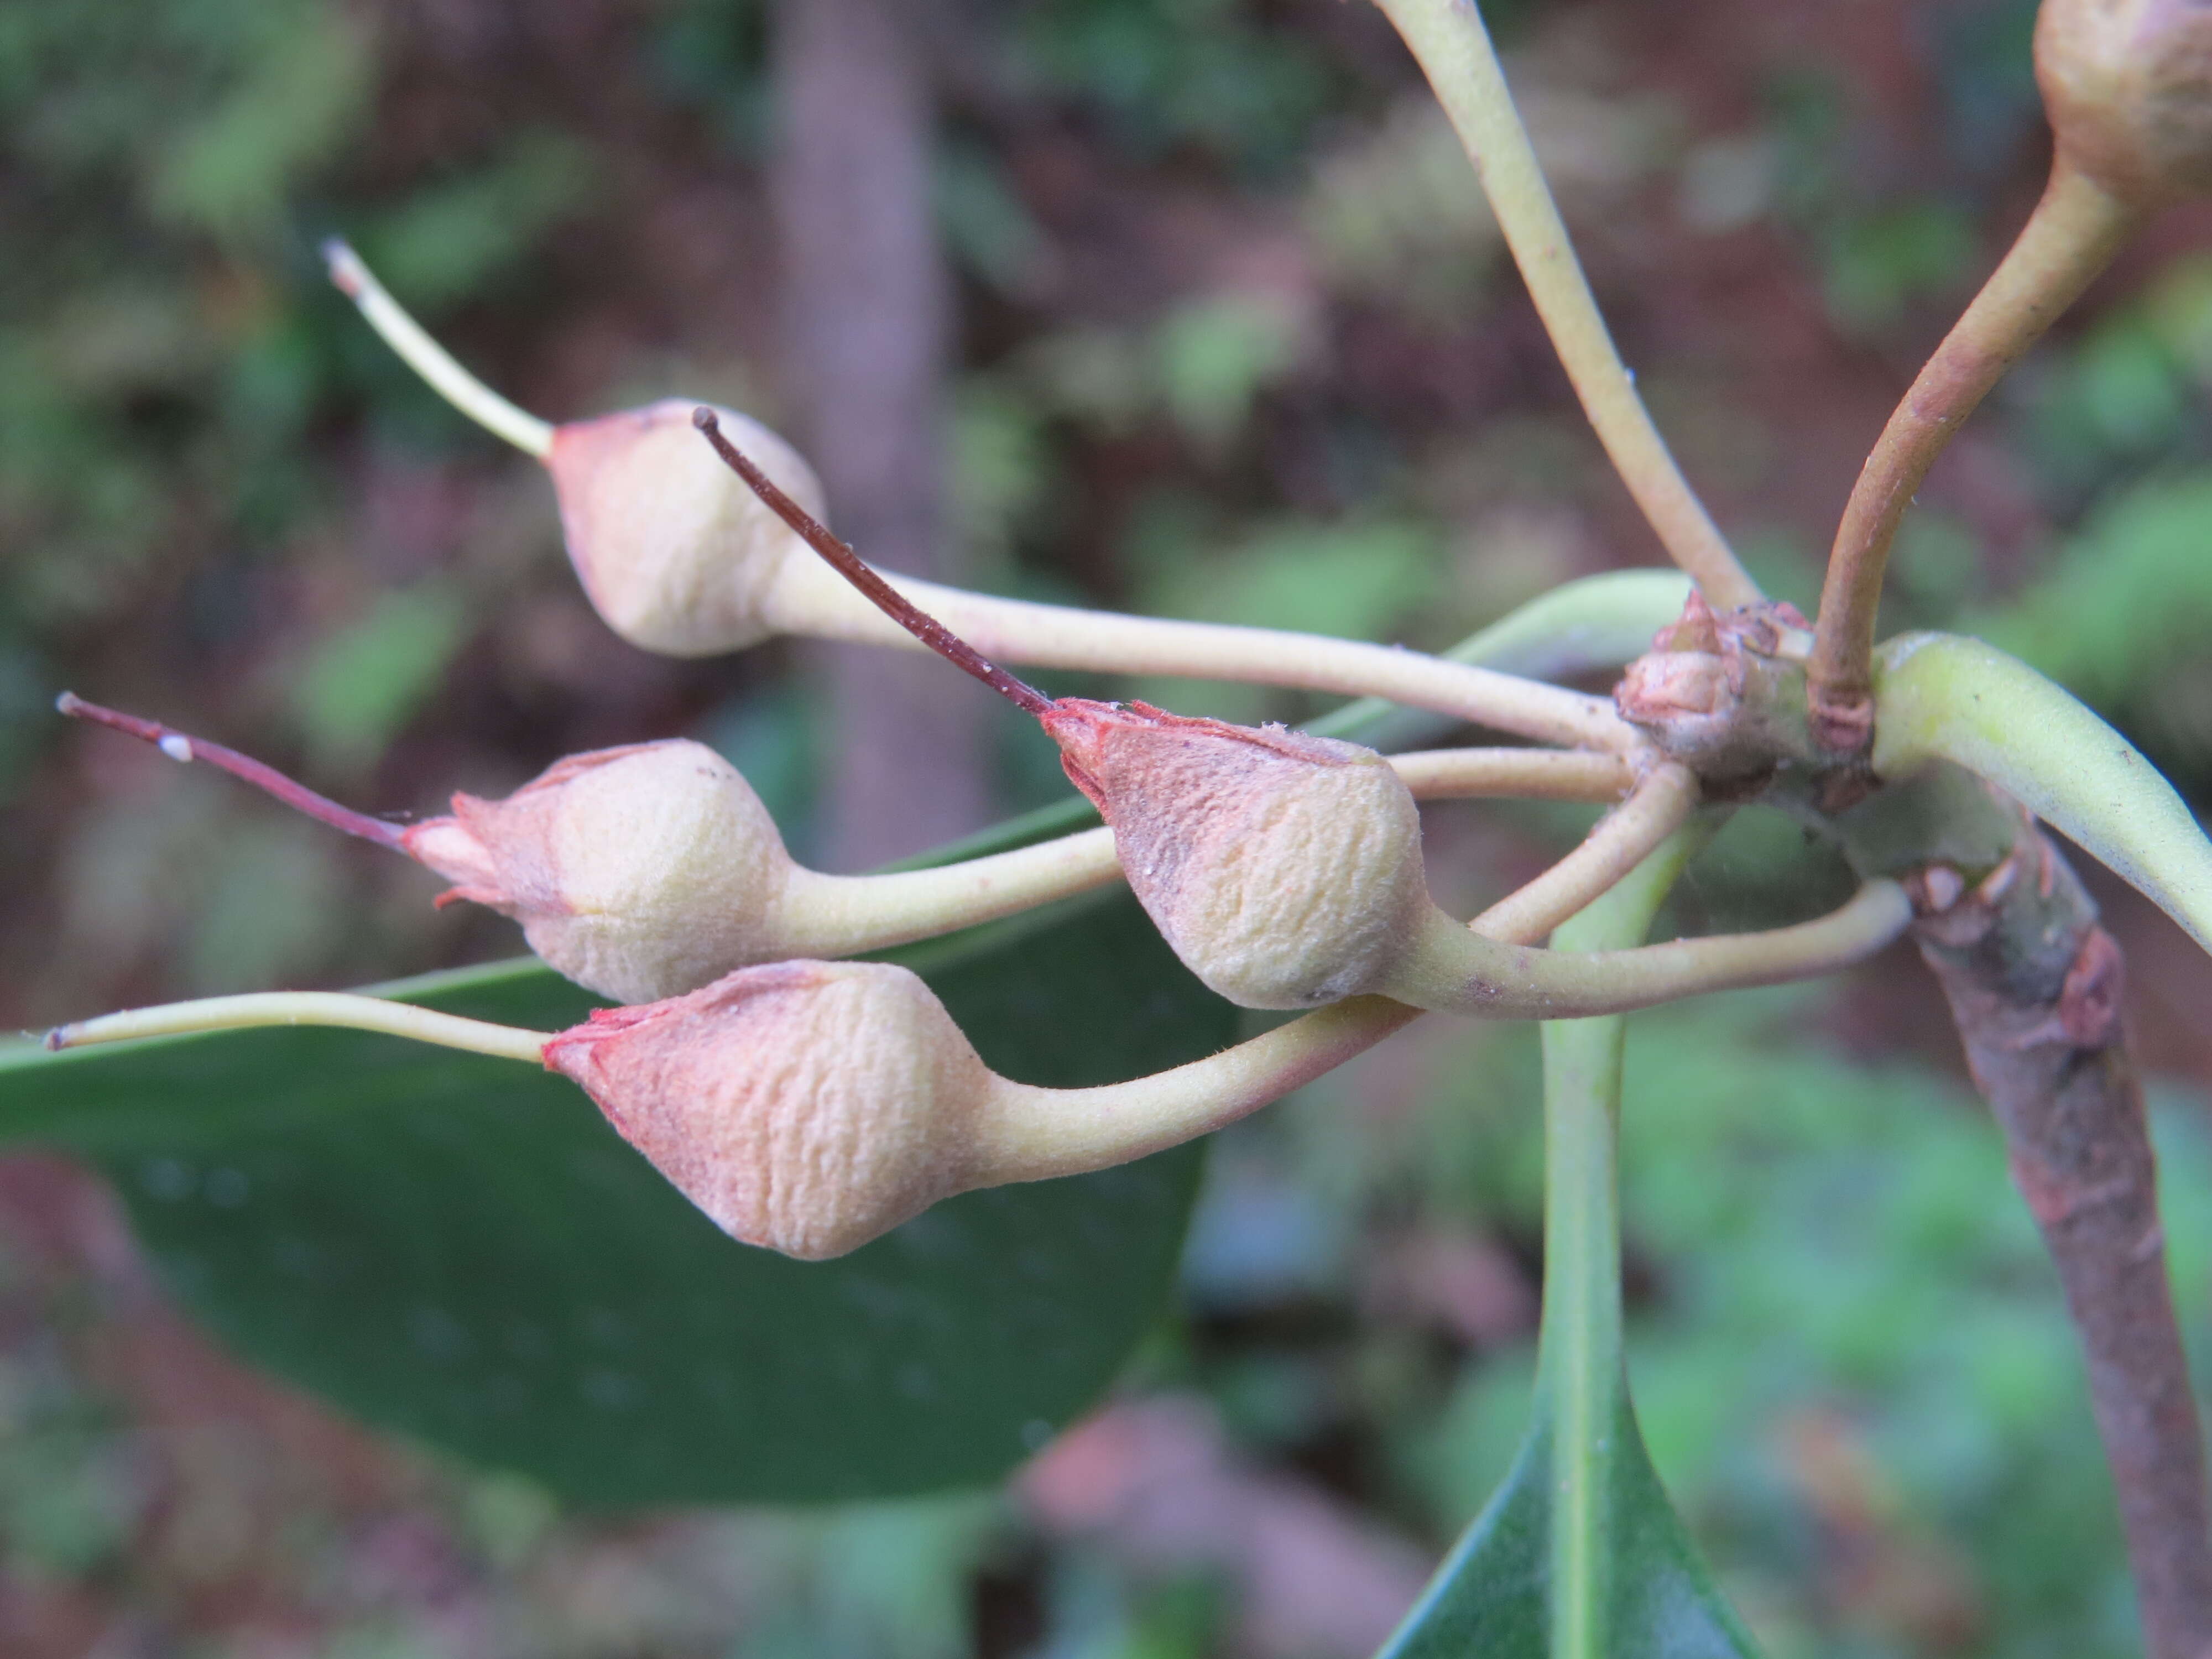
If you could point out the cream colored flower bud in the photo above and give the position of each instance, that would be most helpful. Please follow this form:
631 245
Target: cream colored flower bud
676 553
639 871
2128 87
807 1107
1286 870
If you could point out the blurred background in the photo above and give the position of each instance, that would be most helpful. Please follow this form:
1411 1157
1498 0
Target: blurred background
1187 306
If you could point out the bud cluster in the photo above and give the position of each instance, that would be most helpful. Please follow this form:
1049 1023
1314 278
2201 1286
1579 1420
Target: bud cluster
806 1105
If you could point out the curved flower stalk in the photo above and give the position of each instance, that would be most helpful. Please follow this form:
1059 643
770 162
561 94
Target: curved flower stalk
1449 38
680 558
1459 971
2071 236
1621 840
649 870
809 1106
2127 85
1942 697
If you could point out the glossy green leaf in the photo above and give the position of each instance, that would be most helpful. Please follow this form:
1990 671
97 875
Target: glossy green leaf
460 1248
1942 697
1491 1598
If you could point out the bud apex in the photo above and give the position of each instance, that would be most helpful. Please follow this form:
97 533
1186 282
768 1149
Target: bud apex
638 871
2128 87
1286 870
677 553
807 1107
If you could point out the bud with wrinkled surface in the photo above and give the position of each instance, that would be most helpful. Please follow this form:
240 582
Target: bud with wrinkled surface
1286 870
2128 84
677 555
647 871
637 871
807 1107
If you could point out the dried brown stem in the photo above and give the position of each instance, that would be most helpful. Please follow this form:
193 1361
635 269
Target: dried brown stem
178 746
848 564
2034 985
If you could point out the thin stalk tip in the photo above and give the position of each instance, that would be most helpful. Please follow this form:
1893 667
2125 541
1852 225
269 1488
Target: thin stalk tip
436 365
345 1010
178 746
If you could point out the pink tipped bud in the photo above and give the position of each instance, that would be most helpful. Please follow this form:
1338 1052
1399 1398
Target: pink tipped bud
807 1107
1286 870
639 871
2128 87
677 555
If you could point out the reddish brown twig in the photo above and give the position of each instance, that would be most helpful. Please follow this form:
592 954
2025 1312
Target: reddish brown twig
2034 985
2073 234
849 565
178 746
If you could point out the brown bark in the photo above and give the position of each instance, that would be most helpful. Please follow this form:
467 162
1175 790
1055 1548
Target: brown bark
868 310
2035 986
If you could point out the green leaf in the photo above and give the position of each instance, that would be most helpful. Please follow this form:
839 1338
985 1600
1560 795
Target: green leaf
1942 697
230 171
1492 1597
359 687
460 1248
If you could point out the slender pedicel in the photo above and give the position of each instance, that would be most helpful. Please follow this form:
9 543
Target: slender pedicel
2128 86
1454 49
430 360
1621 840
1459 971
808 601
338 1008
2072 235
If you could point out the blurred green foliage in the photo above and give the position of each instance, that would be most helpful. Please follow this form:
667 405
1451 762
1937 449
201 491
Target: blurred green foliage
1848 1351
1205 73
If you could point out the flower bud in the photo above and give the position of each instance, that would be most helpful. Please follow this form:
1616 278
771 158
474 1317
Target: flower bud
2128 87
639 871
676 553
1286 870
807 1107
